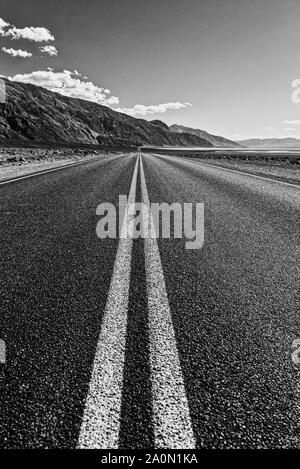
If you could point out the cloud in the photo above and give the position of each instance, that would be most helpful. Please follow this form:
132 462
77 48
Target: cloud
295 96
3 25
31 33
50 50
17 52
73 84
270 129
291 122
289 129
68 84
142 110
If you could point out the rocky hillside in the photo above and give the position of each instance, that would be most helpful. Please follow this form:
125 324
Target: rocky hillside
34 114
214 140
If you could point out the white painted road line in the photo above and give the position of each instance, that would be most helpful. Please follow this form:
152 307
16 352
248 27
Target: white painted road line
101 420
172 422
56 168
192 160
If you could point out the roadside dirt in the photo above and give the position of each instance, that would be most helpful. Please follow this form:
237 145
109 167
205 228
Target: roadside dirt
281 170
16 162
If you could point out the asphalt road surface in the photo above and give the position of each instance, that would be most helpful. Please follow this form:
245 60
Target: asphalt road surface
142 343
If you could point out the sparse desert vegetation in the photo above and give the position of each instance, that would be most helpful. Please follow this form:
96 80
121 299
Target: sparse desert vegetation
281 169
284 165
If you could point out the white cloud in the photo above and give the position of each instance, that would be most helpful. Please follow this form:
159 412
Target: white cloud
289 129
73 84
142 110
31 33
50 50
3 25
295 96
270 129
68 84
291 122
17 52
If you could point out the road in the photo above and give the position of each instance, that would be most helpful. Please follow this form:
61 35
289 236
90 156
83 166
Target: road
121 343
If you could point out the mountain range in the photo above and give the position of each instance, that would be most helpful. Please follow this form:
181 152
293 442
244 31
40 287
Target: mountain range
215 140
35 114
288 142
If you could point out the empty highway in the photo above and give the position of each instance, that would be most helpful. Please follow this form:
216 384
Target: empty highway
142 343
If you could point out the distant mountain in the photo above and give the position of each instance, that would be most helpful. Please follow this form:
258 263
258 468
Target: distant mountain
215 140
288 142
34 114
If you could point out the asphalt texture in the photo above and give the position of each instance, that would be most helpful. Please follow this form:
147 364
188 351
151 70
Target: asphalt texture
234 305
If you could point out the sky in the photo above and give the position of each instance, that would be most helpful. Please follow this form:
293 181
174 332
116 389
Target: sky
225 66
